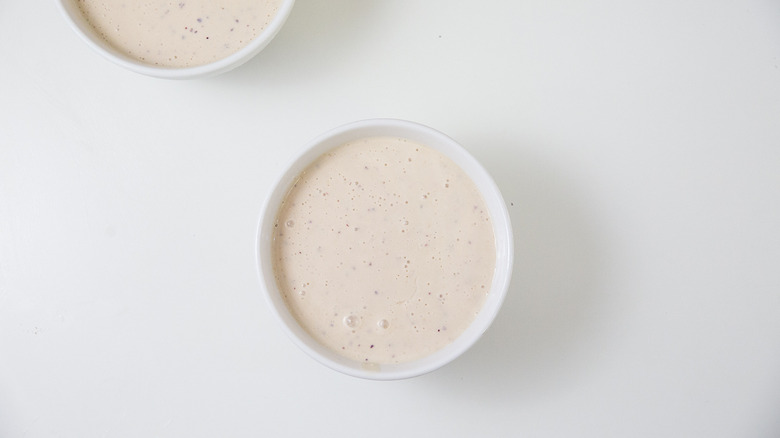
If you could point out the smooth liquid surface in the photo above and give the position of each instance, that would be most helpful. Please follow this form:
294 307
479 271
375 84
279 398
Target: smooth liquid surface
184 33
383 250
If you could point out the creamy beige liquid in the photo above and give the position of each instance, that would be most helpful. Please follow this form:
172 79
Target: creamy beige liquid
384 250
181 33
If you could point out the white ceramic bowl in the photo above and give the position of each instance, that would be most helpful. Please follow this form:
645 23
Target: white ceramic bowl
79 24
502 229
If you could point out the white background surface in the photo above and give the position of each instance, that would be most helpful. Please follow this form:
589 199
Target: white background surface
637 142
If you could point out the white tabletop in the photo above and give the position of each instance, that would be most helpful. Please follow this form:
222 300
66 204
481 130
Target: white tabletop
637 145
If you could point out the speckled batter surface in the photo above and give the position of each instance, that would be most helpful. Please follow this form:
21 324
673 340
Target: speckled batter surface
384 250
183 33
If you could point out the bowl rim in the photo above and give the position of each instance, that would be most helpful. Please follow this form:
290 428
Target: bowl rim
78 24
502 229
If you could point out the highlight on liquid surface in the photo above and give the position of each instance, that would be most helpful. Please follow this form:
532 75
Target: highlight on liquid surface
183 33
384 250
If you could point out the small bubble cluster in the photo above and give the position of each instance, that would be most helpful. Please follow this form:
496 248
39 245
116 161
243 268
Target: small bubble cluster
351 321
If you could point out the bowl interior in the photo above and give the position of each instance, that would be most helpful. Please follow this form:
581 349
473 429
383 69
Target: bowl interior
87 33
501 227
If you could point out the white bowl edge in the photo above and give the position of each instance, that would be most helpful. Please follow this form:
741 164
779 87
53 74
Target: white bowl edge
79 25
501 226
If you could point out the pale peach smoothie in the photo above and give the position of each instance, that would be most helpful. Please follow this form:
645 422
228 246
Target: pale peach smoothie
384 250
183 33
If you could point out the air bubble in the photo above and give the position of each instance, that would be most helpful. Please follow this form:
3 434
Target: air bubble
352 321
290 223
